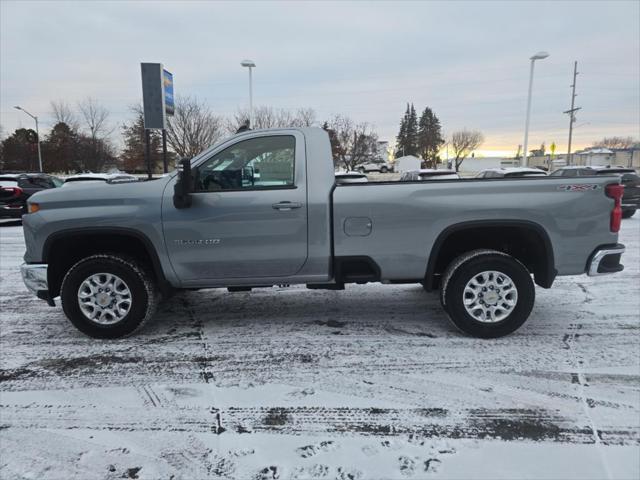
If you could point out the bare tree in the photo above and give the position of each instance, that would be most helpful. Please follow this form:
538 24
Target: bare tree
463 143
355 143
61 111
193 127
95 118
616 142
269 117
305 117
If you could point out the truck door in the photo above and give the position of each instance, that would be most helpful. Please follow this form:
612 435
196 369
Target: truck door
248 217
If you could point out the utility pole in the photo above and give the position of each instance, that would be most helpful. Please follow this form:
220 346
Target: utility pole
250 64
571 112
147 151
537 56
165 166
37 135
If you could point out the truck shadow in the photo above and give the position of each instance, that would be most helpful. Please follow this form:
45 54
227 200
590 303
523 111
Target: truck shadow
406 310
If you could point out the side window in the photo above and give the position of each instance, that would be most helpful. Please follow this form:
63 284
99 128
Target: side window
571 172
24 182
42 182
257 163
557 173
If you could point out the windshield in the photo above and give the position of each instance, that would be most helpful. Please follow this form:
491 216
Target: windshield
438 176
525 174
85 179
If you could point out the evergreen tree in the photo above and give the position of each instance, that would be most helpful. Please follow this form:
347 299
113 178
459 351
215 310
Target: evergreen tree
401 139
20 151
132 157
60 149
407 139
412 132
429 137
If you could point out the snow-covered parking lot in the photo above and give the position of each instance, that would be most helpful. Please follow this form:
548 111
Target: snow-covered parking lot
371 382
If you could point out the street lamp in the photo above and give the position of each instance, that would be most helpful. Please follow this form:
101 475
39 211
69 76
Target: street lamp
250 64
37 134
537 56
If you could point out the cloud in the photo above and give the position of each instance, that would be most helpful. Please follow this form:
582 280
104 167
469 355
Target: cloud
466 60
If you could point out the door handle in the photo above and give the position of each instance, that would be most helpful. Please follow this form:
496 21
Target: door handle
286 205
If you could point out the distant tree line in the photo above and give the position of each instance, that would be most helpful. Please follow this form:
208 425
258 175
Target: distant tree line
617 143
82 137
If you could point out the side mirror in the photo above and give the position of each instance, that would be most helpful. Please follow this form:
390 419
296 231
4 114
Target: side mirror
184 185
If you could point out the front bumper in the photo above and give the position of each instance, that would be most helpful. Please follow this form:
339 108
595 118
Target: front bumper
605 260
34 277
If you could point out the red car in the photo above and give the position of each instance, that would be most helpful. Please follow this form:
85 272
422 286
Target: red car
16 188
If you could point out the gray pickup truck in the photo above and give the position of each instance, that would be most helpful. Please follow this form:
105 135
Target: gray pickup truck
262 208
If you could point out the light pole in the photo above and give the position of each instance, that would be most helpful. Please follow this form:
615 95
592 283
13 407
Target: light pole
250 64
537 56
37 134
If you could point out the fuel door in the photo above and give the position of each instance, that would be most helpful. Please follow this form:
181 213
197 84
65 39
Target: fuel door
357 226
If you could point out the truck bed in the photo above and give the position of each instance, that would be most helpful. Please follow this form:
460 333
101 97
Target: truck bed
407 218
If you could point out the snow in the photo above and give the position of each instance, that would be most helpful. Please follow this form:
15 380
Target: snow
371 382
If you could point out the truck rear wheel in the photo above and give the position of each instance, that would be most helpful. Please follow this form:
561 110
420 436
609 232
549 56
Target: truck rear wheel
487 293
108 296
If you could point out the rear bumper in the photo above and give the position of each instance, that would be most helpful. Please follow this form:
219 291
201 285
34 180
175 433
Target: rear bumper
630 202
34 277
11 210
605 260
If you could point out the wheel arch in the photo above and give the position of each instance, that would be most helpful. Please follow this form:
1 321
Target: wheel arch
72 245
525 240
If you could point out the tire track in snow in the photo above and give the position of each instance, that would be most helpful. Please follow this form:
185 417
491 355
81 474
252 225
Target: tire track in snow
505 424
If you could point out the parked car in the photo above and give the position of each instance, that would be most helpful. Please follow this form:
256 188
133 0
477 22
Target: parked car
110 252
100 177
382 167
16 188
429 174
351 177
628 176
511 172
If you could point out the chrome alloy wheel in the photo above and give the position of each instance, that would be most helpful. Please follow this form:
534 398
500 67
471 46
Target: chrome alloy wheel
490 296
104 298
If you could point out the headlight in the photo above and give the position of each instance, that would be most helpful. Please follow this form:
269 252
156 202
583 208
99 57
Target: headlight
33 207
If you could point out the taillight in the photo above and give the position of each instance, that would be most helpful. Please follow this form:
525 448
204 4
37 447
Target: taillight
15 191
615 191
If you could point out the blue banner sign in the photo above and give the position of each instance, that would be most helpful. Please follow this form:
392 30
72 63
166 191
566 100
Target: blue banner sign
167 85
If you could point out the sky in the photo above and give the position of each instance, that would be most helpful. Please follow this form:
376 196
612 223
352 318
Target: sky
468 61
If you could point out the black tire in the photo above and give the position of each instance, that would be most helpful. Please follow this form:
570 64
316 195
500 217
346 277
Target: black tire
384 170
467 268
628 213
143 294
361 170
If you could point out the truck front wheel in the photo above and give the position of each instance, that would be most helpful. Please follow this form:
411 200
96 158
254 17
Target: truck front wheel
108 296
487 293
